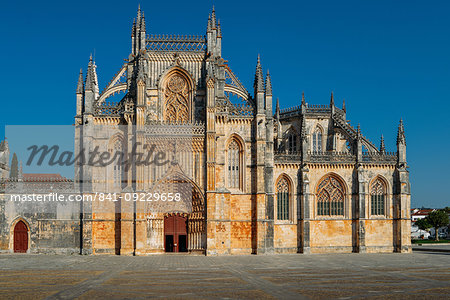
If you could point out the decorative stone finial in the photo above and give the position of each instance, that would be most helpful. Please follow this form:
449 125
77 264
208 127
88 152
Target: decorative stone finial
401 134
259 82
209 26
91 76
80 84
213 18
219 29
268 84
382 146
142 25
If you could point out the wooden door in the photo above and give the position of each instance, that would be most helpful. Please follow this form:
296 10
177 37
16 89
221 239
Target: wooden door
20 237
175 233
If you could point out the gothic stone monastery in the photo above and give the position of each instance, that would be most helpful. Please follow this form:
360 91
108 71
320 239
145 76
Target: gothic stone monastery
264 180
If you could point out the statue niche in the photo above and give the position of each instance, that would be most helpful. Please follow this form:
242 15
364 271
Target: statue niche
177 95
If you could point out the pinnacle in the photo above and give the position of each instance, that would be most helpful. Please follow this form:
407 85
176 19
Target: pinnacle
80 83
259 84
382 146
268 84
209 26
213 18
401 133
219 29
91 76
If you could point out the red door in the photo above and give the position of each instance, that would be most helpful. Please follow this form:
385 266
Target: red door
175 234
20 237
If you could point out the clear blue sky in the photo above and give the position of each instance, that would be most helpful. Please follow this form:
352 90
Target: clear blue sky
388 59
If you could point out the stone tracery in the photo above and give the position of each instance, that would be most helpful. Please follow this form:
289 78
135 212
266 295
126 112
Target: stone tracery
177 100
330 197
283 193
377 197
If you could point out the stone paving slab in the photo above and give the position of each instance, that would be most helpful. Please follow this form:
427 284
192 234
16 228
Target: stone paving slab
338 276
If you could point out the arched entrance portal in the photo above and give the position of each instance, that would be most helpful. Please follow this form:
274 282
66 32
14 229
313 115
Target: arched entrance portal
175 233
178 227
20 237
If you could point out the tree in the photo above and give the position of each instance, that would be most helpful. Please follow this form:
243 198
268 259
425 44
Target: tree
423 224
437 219
447 209
14 170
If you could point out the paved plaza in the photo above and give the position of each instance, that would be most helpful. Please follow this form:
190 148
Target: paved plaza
338 276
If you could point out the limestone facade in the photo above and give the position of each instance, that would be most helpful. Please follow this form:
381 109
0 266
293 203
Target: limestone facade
264 180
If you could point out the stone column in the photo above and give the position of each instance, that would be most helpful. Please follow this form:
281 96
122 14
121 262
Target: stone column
361 211
210 166
305 212
402 218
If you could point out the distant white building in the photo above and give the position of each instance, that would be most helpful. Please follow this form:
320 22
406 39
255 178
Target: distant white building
417 233
417 214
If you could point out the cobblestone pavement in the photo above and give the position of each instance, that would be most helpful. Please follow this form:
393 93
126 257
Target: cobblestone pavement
338 276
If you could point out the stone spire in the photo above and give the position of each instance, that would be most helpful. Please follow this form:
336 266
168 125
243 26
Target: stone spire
268 84
219 29
213 18
343 106
401 145
359 145
91 77
139 15
382 146
303 99
142 25
91 89
401 134
138 33
332 99
80 85
259 81
214 36
133 29
209 26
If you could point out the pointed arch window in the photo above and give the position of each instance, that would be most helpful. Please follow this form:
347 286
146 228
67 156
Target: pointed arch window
177 99
117 164
377 197
317 140
234 164
330 197
292 143
283 199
